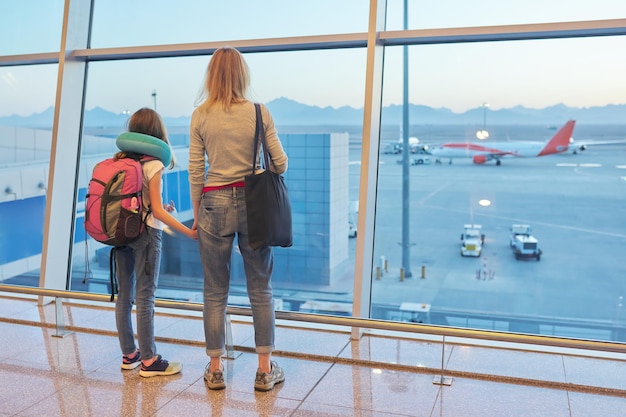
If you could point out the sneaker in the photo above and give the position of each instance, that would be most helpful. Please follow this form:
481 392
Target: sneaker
131 362
266 382
215 379
160 367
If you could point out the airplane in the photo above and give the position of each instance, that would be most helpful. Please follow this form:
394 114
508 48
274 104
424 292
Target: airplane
480 153
396 148
413 141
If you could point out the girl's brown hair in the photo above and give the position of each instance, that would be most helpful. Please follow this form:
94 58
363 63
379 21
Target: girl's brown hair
148 122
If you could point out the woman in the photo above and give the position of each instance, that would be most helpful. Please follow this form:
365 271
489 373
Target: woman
222 137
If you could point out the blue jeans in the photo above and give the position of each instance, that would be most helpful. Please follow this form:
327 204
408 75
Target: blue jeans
138 267
221 216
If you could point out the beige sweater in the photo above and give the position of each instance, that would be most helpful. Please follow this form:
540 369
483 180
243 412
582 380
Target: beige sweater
225 141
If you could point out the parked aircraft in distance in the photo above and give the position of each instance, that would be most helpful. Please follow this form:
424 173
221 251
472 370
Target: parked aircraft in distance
413 141
481 153
396 147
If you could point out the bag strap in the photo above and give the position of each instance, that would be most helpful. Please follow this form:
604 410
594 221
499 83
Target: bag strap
143 159
113 272
259 136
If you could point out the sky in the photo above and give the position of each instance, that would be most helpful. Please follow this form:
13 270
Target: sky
576 72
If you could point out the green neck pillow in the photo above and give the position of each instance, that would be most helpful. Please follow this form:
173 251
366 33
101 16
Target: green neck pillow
145 145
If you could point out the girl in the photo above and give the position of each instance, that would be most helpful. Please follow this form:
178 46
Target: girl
138 263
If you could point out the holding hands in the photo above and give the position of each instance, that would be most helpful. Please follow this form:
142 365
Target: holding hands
189 232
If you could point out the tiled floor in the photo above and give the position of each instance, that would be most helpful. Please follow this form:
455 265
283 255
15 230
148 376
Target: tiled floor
327 374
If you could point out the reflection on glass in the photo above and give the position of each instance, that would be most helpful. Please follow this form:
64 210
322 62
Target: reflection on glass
25 143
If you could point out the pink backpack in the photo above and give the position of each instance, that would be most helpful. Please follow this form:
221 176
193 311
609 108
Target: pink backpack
113 207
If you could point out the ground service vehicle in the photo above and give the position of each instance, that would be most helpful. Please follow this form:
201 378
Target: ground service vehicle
351 229
392 148
472 240
523 243
422 159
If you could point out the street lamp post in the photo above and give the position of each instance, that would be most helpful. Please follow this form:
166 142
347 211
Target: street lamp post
154 94
483 134
406 189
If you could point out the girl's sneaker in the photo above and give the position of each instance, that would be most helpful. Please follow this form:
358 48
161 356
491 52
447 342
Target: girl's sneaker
266 382
131 362
160 367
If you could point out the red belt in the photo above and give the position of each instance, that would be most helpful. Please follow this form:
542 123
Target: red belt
221 187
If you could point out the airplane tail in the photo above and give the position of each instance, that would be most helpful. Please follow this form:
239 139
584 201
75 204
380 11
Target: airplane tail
560 141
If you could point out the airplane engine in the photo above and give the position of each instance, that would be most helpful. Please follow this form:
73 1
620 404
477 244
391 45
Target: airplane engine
479 159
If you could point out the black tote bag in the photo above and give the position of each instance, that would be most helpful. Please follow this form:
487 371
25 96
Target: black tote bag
267 201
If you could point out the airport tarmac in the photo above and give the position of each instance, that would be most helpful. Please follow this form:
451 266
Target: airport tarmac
576 205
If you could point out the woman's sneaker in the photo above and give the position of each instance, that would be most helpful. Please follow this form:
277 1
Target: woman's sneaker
131 362
266 382
215 379
160 367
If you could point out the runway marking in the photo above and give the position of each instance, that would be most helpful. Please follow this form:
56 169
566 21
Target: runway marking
433 193
580 229
590 165
620 166
534 223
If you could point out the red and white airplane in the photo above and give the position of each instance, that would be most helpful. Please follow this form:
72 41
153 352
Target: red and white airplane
480 153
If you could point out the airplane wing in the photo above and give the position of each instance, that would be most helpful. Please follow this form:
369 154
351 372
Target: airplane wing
580 145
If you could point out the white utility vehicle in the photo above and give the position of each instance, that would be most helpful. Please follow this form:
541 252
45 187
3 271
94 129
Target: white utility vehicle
422 159
351 228
472 240
523 243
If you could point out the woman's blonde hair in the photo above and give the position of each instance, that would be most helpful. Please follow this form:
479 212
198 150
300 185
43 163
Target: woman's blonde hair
227 79
148 122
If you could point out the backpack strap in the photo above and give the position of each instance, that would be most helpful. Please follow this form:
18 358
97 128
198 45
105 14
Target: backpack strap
113 272
142 160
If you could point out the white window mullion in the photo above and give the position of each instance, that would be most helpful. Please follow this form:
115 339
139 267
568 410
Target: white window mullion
65 148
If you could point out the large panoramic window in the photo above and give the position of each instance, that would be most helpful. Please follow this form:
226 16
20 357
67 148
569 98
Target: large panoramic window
499 196
31 26
461 13
26 114
503 205
202 21
320 128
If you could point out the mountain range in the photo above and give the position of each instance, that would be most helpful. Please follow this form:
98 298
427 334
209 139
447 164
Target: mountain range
287 112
